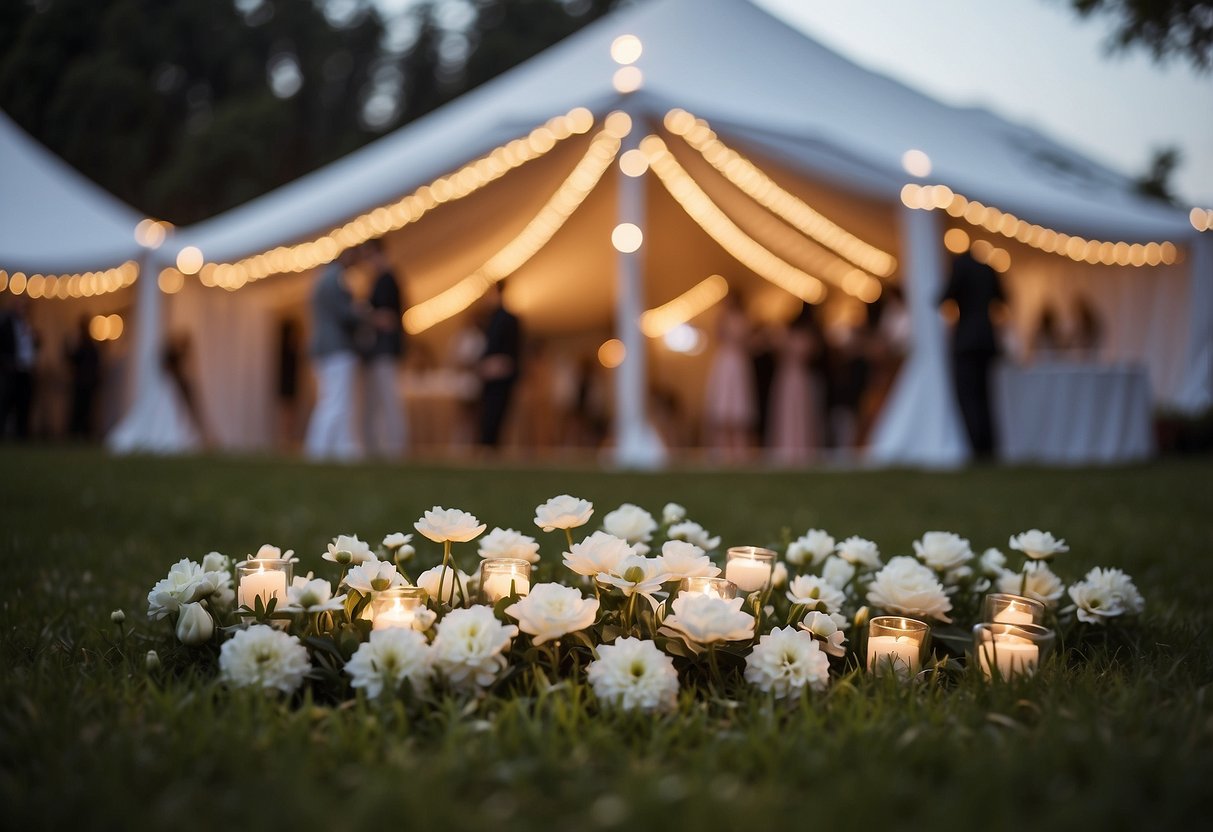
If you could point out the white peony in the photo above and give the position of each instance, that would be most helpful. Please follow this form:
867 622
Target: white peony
268 552
600 552
786 661
636 575
508 543
701 619
813 547
552 611
816 593
194 625
399 546
348 549
1104 594
860 552
216 562
388 658
673 513
1038 545
263 657
1036 581
563 512
680 559
631 522
837 572
373 576
828 630
906 586
312 595
453 525
469 646
428 580
185 583
692 532
220 568
992 562
634 675
779 575
943 551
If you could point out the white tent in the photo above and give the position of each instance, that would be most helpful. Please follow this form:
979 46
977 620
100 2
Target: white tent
829 132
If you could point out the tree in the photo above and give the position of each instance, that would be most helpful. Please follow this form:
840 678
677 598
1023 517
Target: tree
1156 181
1165 27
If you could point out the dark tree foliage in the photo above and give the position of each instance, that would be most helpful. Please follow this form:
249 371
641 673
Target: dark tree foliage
1165 27
1156 181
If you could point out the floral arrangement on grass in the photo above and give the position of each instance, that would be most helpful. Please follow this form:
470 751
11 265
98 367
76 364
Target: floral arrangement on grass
638 608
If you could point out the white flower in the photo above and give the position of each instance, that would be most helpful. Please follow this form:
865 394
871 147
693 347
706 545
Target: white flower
117 616
185 583
636 575
1036 581
428 580
680 559
860 551
906 586
346 549
449 524
634 675
151 661
673 513
373 576
1104 594
943 550
387 659
469 646
631 522
1038 545
815 593
195 625
268 552
786 661
692 532
701 619
507 543
396 540
563 512
992 562
313 595
813 546
600 552
552 611
837 572
828 629
779 575
216 562
219 569
263 657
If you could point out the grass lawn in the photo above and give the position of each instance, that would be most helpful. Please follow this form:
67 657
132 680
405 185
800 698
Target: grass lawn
89 740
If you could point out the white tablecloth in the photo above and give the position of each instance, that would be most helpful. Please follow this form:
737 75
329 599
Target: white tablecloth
1073 413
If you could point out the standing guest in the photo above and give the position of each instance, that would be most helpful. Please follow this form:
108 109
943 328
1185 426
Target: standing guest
288 381
976 289
335 319
383 414
730 405
762 356
498 366
797 392
84 362
18 356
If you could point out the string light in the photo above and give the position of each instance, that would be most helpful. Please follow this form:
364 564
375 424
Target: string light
628 79
633 163
151 233
551 217
105 327
995 221
753 182
63 286
393 216
916 163
1201 219
612 353
723 230
701 297
626 49
627 237
171 281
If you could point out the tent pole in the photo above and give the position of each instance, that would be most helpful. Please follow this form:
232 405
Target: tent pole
1196 395
920 424
637 444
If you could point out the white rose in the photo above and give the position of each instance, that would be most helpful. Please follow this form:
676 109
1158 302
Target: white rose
508 543
635 575
906 586
313 595
680 559
828 630
786 661
634 675
837 572
263 657
185 583
389 658
1036 581
563 512
194 625
373 576
943 551
813 546
992 562
860 552
699 619
443 525
673 513
816 593
216 562
469 645
779 575
552 611
692 532
1105 594
631 522
348 549
428 580
395 540
600 552
1038 545
268 552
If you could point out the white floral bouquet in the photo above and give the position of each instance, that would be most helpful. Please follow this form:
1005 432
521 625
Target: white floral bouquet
611 613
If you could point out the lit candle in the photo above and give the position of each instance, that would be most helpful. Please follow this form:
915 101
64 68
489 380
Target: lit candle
1010 654
397 615
897 652
1013 615
262 583
749 567
1004 608
712 587
501 577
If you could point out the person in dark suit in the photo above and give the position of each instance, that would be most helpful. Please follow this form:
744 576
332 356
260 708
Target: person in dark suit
498 366
18 355
383 414
976 291
84 361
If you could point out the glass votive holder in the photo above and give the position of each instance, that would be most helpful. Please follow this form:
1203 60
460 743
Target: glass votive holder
897 644
1004 608
1009 650
749 567
714 587
503 577
264 578
398 607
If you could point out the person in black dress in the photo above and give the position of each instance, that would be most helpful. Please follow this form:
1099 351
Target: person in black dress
84 362
498 366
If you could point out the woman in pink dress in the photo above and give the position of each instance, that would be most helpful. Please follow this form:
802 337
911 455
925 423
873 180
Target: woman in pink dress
795 428
729 408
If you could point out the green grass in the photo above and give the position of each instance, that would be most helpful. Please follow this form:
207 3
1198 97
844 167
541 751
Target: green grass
88 739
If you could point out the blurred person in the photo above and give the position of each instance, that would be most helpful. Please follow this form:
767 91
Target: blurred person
18 359
1048 342
887 343
288 380
797 391
729 406
1088 330
84 363
762 356
335 321
175 358
499 364
383 416
537 427
976 290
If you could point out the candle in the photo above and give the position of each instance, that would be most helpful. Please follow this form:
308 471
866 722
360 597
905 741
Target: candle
397 615
261 583
502 577
898 652
713 587
1004 608
1010 654
749 567
1013 615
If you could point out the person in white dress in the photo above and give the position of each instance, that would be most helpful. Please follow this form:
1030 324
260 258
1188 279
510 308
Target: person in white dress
335 320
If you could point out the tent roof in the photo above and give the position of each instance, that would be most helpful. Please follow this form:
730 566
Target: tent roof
758 81
54 219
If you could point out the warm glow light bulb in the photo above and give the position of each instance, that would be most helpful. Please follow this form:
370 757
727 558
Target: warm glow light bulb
626 49
628 79
189 260
916 163
612 353
956 240
627 237
634 163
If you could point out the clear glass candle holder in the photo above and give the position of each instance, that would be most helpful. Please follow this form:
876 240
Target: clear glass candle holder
1004 608
715 587
750 567
262 578
398 607
502 577
1009 650
897 644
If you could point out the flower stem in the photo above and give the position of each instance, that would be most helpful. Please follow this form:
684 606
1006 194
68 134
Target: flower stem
446 558
568 535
